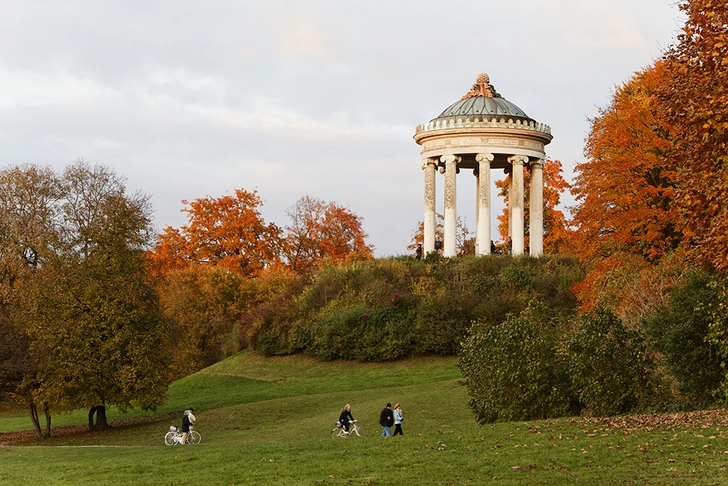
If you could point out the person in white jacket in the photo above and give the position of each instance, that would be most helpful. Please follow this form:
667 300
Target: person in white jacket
398 420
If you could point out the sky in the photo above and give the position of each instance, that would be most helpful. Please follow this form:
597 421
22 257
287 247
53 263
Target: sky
188 99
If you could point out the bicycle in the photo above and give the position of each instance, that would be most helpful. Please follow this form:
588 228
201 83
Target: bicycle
174 436
354 430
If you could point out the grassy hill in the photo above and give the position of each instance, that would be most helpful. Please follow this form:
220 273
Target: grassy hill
268 421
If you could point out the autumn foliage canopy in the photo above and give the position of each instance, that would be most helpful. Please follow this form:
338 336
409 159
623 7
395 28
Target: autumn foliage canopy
230 232
651 194
694 100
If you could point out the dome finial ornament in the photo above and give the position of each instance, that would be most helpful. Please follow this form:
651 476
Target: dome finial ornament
482 87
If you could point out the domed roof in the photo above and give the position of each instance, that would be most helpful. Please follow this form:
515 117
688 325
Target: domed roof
483 101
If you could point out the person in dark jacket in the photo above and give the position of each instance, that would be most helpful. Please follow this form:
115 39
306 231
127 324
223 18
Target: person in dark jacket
188 421
345 418
386 420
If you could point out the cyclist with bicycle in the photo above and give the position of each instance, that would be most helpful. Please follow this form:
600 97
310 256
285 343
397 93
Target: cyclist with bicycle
345 418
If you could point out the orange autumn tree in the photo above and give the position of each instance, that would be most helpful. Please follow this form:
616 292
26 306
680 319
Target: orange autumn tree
228 231
695 101
554 222
321 231
625 189
625 219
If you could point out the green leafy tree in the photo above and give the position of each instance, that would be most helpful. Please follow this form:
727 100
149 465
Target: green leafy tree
716 311
98 334
514 370
607 365
29 209
680 330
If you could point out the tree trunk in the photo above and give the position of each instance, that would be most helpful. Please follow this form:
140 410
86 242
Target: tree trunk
47 412
101 423
34 417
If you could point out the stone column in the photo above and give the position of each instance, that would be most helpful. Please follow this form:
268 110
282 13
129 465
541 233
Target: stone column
516 213
451 167
510 202
430 222
482 231
476 174
535 223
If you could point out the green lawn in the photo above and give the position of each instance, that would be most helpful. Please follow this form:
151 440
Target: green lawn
268 421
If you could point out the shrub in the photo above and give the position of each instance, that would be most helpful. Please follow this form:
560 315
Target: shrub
397 307
680 333
359 333
272 305
607 365
513 369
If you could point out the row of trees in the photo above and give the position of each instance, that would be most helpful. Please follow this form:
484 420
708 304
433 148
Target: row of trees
98 311
230 232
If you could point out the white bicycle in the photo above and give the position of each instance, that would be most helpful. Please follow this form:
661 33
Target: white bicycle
354 431
174 436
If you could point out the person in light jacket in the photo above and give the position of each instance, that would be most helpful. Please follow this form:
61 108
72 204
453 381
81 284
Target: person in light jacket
398 420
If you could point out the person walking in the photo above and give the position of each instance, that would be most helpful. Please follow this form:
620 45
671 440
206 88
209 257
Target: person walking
386 420
188 423
398 420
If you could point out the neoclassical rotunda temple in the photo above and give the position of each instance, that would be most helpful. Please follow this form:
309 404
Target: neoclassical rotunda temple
484 131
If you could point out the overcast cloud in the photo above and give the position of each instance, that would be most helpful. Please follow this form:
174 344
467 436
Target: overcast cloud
321 98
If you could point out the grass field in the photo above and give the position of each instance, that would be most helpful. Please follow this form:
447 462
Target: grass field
268 421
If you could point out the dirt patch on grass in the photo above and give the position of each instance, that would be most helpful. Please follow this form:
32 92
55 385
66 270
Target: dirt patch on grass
26 437
58 433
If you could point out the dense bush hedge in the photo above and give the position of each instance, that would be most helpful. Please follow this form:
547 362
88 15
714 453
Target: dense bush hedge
397 307
538 365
